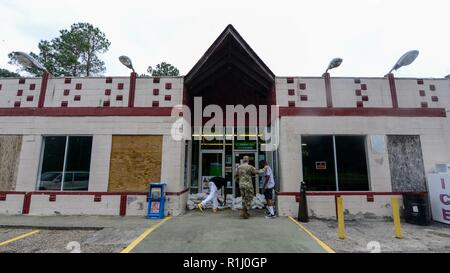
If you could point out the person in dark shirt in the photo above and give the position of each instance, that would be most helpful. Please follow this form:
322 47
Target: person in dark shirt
215 183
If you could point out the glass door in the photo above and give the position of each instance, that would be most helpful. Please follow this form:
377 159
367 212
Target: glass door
238 157
212 164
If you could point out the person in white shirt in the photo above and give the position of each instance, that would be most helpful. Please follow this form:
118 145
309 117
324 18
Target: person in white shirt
215 184
269 186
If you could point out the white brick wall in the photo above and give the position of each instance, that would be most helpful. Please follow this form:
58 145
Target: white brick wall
373 92
99 171
102 129
145 92
12 91
12 205
314 90
29 163
93 92
325 206
74 205
172 170
409 93
434 135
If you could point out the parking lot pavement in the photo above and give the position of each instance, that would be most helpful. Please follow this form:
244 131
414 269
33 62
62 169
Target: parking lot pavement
65 234
108 240
7 234
74 222
377 235
224 232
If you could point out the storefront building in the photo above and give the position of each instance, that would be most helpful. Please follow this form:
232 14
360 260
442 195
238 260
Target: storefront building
92 145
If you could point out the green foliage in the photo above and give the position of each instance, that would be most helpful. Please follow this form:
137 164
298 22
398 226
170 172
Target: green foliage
5 73
163 69
74 53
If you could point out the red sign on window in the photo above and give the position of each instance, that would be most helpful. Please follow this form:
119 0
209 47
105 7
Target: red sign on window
321 165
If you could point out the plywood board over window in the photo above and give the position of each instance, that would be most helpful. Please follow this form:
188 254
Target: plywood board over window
135 162
10 147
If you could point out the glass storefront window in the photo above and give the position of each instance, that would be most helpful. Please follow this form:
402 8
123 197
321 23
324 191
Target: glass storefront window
324 156
318 163
52 163
352 163
65 163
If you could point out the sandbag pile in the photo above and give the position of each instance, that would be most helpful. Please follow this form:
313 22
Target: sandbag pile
258 202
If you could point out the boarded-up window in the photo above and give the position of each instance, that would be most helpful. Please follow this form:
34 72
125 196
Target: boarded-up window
406 164
135 162
10 147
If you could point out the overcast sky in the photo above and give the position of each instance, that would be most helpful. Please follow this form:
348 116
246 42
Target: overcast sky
294 38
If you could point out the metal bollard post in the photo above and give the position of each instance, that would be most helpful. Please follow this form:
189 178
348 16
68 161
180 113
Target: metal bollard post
396 216
303 204
340 216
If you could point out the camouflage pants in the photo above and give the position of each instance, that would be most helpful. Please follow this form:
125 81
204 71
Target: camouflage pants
247 194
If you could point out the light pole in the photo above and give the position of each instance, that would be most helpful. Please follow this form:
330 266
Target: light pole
407 59
26 60
126 61
336 62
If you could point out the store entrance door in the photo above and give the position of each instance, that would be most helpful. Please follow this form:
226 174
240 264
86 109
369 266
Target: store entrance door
212 164
238 157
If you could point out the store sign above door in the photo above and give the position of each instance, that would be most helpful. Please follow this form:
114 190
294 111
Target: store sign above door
245 145
321 165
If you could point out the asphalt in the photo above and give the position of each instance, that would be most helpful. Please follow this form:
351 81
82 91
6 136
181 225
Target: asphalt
225 232
194 232
75 222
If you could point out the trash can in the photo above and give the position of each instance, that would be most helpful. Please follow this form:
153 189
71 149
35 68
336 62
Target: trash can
156 200
417 209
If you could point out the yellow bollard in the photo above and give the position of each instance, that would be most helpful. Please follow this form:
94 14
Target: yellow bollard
396 216
340 212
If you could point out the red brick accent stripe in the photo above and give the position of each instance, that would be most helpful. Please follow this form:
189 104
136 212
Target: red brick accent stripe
393 89
123 205
86 111
365 112
26 203
43 90
97 197
318 193
328 90
132 92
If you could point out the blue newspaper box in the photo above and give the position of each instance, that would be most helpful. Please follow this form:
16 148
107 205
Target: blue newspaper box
156 200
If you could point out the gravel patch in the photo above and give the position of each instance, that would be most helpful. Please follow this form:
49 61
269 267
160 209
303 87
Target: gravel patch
7 234
69 241
377 235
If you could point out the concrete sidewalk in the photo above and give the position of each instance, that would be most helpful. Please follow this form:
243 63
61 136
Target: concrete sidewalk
224 232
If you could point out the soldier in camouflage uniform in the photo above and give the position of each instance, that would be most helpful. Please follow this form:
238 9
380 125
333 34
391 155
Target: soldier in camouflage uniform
243 176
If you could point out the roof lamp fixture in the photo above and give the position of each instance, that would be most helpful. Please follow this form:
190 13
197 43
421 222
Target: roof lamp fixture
126 61
407 59
26 60
336 62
